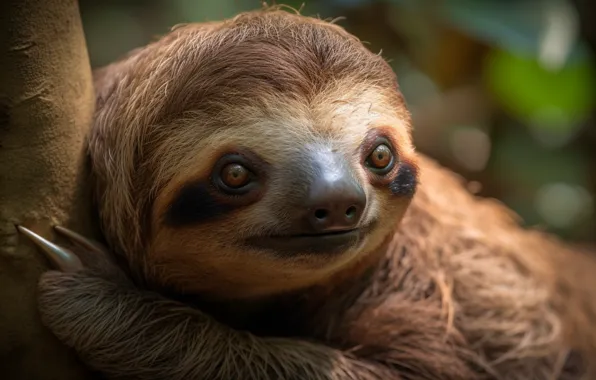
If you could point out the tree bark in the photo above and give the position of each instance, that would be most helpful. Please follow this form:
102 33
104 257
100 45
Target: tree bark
46 106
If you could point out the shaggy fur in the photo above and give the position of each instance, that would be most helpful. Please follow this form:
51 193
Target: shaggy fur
457 291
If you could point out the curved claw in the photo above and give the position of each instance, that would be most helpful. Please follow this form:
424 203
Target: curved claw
74 237
61 257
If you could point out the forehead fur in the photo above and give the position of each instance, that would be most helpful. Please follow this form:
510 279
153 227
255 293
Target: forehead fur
222 74
243 60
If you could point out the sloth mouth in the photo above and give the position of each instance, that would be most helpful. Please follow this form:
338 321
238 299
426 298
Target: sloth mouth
332 242
322 234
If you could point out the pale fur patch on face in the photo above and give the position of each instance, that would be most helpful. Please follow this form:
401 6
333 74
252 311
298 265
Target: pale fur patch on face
337 120
288 127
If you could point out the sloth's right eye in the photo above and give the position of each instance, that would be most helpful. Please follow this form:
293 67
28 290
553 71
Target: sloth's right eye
235 175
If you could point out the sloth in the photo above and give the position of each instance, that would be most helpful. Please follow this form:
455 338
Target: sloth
266 216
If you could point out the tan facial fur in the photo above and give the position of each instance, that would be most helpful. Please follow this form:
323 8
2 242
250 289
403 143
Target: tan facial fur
207 251
238 92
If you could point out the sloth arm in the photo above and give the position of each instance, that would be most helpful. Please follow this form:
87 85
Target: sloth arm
126 332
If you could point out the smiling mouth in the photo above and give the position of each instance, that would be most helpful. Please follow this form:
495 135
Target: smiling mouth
333 242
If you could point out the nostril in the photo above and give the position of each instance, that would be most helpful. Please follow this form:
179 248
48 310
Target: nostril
321 213
351 212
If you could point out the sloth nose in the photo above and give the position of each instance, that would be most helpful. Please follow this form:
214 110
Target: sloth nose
334 203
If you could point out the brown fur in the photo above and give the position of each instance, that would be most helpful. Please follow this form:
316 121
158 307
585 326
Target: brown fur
286 82
457 291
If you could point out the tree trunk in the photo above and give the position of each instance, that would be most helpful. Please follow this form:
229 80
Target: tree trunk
46 105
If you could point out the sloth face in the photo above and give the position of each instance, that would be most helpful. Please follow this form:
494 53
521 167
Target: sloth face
286 197
250 157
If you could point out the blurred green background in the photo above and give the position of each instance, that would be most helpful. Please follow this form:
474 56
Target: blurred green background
501 91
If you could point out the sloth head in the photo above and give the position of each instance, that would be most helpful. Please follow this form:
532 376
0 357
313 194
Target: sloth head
250 157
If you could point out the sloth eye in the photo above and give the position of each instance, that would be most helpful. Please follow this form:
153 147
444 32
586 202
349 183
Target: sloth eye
381 159
234 175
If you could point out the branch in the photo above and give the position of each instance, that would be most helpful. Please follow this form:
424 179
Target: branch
46 105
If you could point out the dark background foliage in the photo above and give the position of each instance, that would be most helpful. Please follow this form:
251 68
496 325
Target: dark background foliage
501 91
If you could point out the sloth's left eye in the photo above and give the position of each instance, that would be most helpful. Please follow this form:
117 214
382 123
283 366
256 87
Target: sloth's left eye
235 175
381 160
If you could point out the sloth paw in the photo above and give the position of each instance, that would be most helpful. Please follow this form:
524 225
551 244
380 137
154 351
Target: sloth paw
62 258
85 255
85 277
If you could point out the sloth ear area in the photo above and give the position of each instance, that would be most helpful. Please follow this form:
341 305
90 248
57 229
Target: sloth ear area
106 78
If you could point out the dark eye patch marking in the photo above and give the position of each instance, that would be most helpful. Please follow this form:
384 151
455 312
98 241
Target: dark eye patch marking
194 204
406 180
